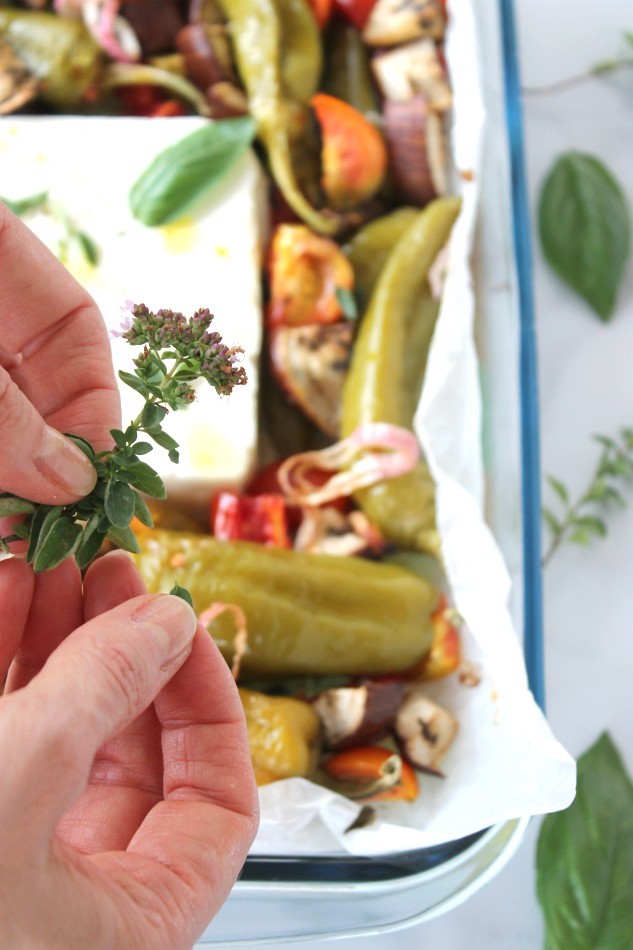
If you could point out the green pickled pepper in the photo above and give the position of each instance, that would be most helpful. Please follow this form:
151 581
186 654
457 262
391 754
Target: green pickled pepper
387 369
306 613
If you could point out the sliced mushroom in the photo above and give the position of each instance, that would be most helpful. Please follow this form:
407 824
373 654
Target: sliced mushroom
424 730
404 72
418 150
354 715
327 530
17 85
397 21
311 362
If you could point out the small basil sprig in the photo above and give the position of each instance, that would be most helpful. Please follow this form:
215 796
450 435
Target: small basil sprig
176 352
584 858
578 521
585 228
184 172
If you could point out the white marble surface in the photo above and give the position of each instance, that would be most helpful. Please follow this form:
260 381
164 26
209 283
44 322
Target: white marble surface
586 387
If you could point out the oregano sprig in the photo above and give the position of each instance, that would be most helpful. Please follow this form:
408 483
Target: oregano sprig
579 521
176 352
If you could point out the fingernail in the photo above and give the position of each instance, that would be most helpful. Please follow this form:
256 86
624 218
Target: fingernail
64 465
171 620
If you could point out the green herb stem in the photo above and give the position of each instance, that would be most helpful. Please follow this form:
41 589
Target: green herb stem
579 521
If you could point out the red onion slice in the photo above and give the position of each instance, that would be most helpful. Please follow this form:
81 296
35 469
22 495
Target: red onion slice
372 453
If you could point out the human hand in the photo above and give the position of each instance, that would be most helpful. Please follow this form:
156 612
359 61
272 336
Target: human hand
56 372
128 802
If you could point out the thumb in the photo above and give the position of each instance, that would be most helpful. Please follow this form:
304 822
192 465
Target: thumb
36 461
101 678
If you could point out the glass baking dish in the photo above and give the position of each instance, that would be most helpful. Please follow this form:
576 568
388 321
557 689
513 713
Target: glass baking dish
280 898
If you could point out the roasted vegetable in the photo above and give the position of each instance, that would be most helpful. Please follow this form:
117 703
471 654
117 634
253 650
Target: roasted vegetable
445 653
306 613
354 715
418 150
369 248
17 85
347 74
282 735
60 53
353 155
277 48
260 518
307 274
371 773
378 386
310 363
392 22
424 730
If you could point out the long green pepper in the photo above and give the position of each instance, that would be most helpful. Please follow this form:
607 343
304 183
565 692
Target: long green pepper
306 613
387 367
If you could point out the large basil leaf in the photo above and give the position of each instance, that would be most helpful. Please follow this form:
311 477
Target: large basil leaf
585 228
584 859
182 173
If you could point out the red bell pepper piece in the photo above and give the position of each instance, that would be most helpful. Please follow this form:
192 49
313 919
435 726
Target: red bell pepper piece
355 11
260 518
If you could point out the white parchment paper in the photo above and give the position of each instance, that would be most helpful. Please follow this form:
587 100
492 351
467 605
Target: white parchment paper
505 762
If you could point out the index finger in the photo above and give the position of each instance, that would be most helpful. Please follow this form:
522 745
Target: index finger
53 338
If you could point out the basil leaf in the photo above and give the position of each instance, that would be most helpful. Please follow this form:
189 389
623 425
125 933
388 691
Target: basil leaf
60 542
584 858
585 228
182 173
119 503
10 505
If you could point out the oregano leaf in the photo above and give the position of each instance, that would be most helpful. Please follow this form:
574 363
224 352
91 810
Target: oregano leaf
119 503
10 505
124 538
182 592
60 541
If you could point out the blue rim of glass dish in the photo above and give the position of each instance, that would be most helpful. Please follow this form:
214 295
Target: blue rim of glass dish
348 868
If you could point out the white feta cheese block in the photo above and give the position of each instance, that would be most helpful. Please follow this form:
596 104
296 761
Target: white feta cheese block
211 257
